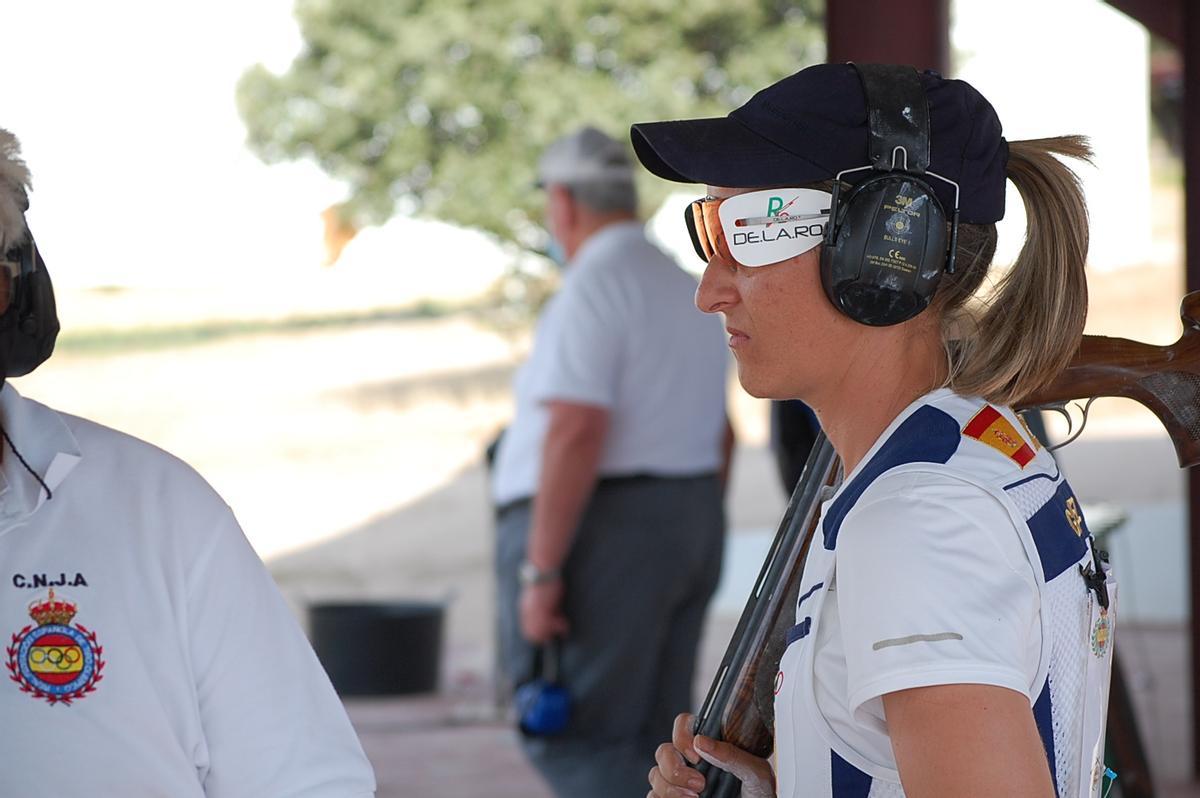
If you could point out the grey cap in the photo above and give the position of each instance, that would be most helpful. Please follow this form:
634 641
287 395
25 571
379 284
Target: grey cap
586 156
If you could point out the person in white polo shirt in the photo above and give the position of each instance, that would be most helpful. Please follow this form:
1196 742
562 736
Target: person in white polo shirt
146 650
613 462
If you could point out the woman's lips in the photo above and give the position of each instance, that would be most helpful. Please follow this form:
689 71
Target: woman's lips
736 337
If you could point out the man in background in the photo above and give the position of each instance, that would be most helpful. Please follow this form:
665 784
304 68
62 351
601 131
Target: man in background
614 464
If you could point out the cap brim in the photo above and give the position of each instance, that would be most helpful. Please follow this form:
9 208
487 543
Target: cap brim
718 151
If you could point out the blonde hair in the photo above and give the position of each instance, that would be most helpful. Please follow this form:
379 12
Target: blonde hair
1015 337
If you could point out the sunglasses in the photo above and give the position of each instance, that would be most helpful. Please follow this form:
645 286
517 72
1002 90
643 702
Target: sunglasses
759 227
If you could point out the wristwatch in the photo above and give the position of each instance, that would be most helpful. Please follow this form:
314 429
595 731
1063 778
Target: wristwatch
530 574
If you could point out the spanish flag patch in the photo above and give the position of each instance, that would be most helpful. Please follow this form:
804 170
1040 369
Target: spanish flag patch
990 427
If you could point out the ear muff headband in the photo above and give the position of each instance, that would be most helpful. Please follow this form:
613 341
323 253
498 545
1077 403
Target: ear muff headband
886 249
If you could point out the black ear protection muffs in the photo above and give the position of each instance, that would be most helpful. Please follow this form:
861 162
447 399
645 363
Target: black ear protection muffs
29 327
885 249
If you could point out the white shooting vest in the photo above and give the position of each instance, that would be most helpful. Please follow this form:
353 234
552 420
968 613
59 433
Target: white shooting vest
991 449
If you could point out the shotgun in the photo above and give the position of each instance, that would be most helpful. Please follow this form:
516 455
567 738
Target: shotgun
739 707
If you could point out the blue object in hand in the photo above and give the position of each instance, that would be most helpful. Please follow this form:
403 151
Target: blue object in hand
544 708
543 704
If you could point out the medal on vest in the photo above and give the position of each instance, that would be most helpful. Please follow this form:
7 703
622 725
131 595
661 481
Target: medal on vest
1097 677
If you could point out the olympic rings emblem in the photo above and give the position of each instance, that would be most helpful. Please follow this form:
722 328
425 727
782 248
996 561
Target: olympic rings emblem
55 662
63 659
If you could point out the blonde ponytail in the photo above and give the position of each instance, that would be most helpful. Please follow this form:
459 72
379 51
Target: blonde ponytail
1029 325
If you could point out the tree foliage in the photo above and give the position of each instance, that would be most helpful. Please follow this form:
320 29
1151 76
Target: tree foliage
443 106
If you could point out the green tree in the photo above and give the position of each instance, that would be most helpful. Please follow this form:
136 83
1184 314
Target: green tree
442 106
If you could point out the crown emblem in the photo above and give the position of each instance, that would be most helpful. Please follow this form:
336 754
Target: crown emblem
55 661
52 611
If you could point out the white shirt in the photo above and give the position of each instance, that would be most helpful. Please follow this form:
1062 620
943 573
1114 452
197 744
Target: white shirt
179 671
948 556
622 333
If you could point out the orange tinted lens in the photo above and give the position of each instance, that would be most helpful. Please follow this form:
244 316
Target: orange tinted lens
704 226
712 228
694 221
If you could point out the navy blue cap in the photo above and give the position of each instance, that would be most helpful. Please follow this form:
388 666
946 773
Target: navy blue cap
813 124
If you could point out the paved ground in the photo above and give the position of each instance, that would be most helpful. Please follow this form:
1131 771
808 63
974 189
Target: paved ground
431 747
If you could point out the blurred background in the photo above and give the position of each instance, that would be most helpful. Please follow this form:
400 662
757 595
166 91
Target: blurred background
297 243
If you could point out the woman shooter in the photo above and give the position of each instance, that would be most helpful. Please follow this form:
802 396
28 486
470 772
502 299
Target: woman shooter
953 617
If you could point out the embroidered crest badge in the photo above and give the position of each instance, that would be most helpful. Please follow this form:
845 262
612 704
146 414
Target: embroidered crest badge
1074 517
53 660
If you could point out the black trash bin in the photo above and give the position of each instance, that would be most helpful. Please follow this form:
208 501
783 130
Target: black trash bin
378 648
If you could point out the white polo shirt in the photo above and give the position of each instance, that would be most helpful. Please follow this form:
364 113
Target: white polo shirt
147 651
622 333
950 555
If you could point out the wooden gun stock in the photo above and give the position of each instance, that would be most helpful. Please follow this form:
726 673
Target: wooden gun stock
739 707
1165 379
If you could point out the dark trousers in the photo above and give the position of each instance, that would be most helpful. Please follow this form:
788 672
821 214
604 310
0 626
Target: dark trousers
644 564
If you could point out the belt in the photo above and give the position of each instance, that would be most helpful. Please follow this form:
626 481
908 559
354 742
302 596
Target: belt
617 480
508 507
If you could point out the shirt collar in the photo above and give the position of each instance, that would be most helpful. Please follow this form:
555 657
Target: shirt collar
46 444
916 404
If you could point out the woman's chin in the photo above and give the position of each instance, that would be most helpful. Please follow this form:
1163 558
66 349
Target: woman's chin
756 386
762 385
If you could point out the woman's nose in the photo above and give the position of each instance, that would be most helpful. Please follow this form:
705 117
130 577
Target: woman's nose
716 292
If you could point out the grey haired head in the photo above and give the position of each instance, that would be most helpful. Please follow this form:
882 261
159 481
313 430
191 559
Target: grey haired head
14 196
